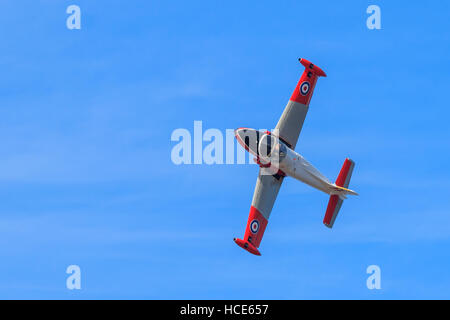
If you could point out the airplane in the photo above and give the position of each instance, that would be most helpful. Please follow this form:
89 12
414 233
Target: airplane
275 155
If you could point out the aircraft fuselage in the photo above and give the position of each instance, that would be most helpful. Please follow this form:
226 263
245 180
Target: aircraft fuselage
274 155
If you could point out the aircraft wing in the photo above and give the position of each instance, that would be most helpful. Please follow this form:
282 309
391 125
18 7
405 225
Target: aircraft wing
294 114
268 185
266 191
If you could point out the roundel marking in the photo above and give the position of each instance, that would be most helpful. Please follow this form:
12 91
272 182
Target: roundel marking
254 226
304 88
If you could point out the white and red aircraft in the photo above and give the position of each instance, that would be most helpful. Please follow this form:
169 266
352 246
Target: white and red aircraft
274 152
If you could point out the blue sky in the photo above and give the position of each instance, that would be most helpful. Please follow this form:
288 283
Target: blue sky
86 176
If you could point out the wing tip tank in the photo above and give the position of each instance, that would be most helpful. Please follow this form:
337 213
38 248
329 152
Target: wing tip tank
247 246
307 64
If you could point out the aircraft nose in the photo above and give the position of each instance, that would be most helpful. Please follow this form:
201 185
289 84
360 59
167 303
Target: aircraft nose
240 133
242 136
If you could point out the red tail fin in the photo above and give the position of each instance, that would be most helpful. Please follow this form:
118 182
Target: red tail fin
335 202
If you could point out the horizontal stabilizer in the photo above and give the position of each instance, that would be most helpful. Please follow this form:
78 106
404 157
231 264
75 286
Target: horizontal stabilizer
334 205
338 192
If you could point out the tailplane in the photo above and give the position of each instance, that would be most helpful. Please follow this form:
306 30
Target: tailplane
338 193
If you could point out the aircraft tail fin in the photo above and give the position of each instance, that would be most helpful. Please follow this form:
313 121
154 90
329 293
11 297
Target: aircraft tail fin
338 193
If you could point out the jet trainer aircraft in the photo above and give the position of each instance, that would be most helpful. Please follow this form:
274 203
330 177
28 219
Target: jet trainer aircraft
274 152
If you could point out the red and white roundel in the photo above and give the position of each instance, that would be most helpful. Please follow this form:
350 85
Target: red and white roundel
304 88
254 226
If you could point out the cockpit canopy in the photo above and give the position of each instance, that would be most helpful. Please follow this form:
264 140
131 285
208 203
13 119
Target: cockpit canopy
271 148
261 144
